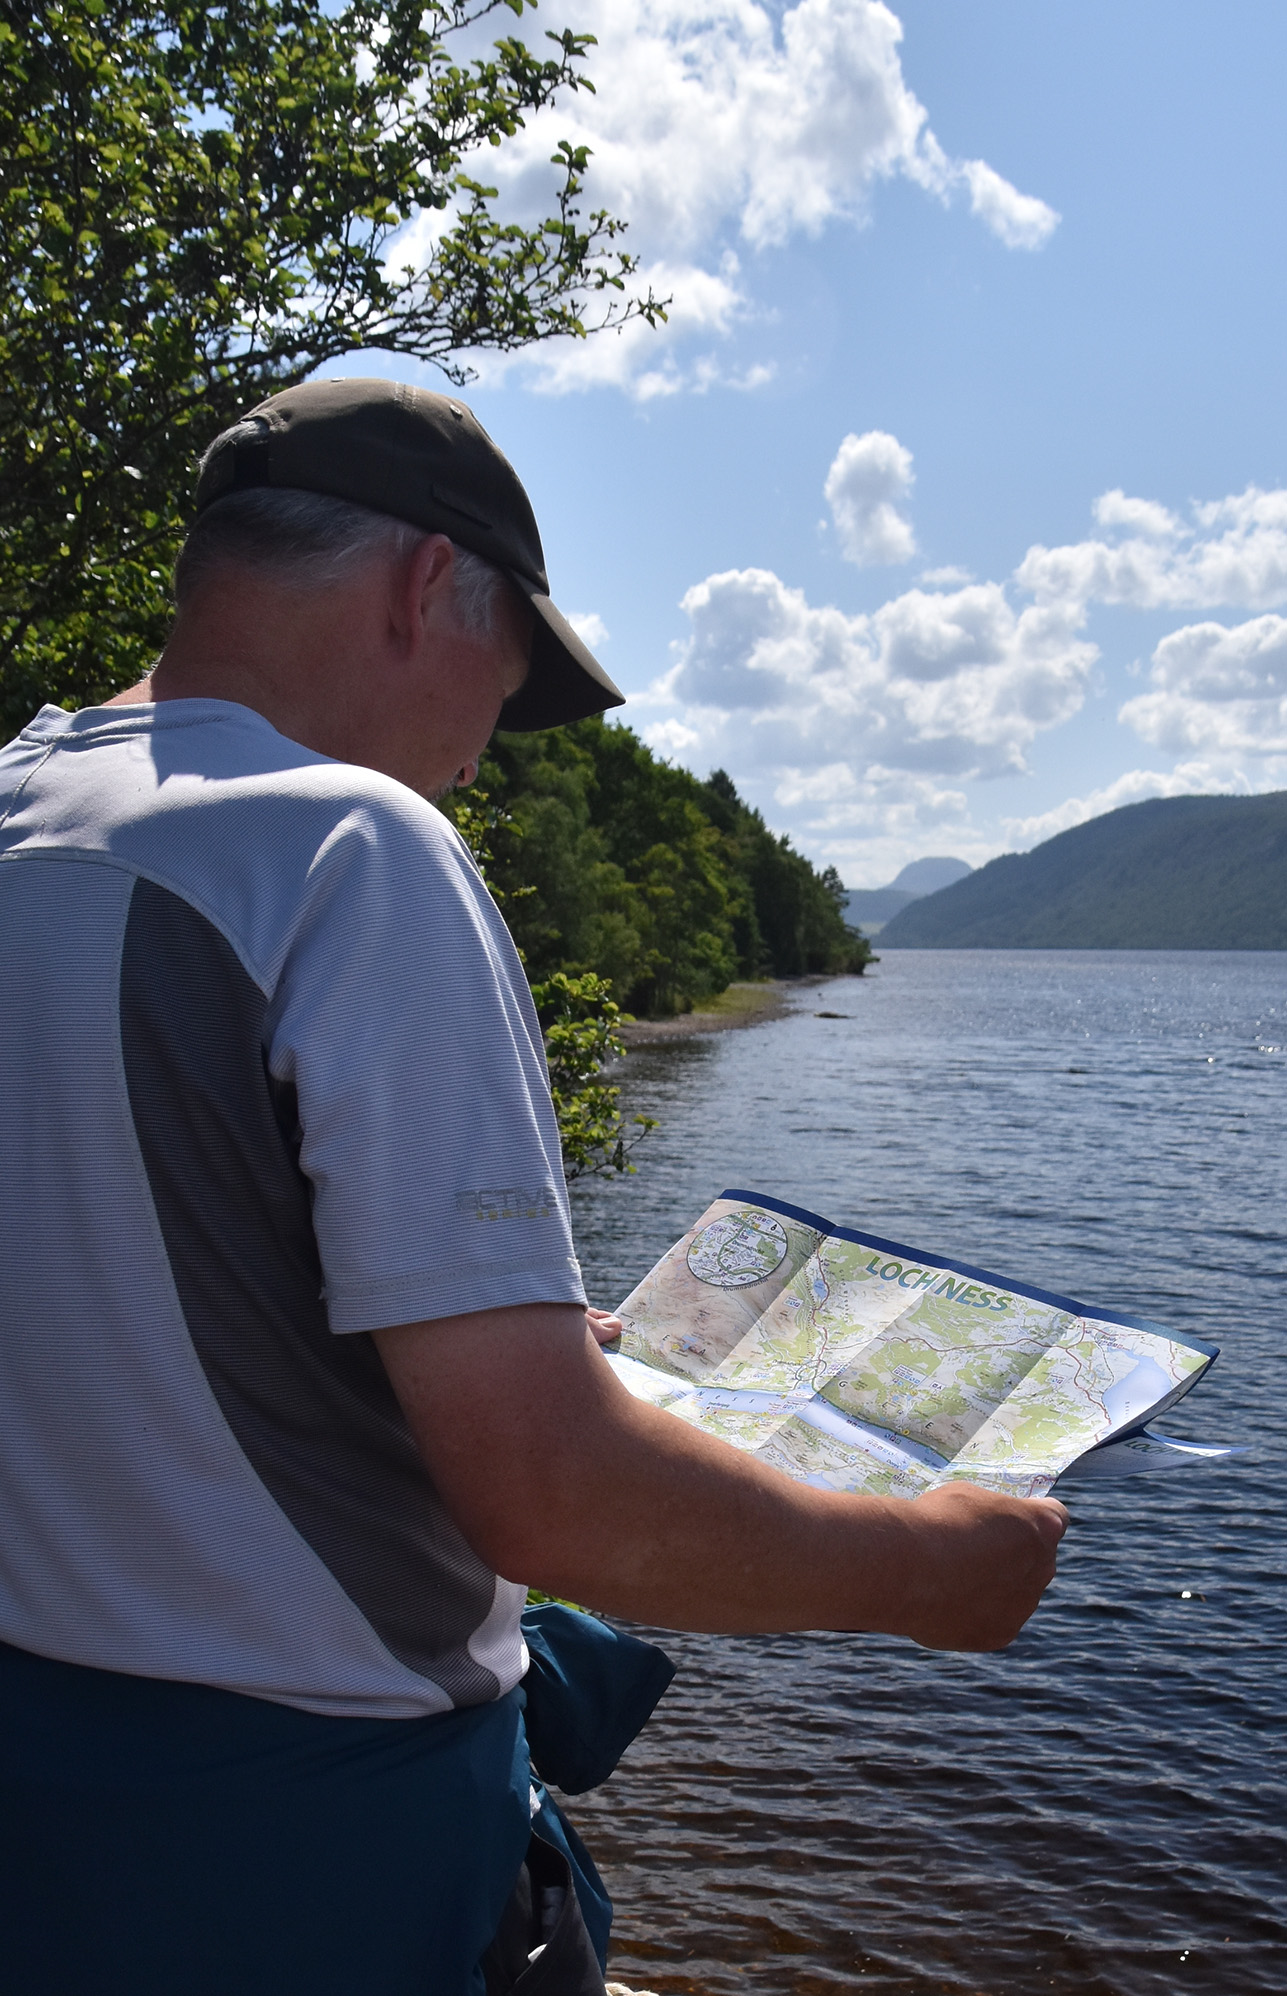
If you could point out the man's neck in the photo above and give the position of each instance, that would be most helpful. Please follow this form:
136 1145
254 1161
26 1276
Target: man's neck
295 658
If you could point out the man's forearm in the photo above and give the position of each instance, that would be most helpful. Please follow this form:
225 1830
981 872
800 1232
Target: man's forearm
561 1478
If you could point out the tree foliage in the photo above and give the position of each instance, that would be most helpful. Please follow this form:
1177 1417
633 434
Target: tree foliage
581 1020
614 862
620 874
199 204
579 1016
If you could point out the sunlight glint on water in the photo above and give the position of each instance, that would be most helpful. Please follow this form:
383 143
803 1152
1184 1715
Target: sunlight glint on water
1101 1811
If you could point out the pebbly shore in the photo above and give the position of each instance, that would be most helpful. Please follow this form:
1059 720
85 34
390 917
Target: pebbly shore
741 1005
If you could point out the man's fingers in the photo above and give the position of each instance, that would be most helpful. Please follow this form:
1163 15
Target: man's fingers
1057 1512
604 1326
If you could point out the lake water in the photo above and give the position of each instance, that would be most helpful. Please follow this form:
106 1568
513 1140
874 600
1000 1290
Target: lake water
1101 1809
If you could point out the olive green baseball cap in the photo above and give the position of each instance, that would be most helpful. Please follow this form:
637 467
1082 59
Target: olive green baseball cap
426 459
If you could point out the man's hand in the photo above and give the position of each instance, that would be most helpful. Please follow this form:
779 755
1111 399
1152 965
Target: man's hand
559 1477
604 1327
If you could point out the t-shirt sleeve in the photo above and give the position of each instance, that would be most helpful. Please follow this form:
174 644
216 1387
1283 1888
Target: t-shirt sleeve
403 1020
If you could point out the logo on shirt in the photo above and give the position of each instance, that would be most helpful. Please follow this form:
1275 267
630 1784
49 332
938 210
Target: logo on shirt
508 1202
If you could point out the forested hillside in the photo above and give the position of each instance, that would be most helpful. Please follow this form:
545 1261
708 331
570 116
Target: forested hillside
610 860
1174 873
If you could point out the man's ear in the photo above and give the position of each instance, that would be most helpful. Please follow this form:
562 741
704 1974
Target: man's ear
422 589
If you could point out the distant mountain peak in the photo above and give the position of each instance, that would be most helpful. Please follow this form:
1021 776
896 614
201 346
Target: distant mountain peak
869 908
926 876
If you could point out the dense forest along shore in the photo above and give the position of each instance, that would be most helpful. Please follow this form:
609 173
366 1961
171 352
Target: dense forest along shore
606 859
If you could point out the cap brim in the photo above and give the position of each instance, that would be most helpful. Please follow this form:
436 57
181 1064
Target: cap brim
566 681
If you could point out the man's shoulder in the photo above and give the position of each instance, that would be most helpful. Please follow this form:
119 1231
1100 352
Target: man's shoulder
207 799
249 765
196 767
299 836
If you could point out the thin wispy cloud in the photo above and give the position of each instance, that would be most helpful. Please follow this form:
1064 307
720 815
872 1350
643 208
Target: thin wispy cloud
1135 786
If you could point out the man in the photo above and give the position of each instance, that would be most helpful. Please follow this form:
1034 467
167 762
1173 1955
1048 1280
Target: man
298 1391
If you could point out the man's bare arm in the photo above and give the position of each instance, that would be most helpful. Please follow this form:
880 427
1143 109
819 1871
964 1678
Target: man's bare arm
559 1477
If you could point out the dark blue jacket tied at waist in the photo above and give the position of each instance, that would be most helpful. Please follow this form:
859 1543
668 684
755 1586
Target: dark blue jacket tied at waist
589 1692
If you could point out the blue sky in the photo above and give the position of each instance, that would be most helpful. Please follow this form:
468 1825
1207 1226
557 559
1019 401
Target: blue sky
951 507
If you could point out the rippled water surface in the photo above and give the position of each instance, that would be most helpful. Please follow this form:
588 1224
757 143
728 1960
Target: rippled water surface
1102 1808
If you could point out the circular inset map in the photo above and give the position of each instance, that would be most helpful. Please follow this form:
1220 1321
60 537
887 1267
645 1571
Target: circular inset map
738 1250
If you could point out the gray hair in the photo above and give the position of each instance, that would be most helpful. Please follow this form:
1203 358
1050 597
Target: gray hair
305 540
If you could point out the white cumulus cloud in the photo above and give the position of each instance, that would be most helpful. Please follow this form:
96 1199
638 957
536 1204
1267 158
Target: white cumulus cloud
869 822
732 126
1215 690
589 627
1218 690
1143 516
948 684
1234 552
705 305
870 478
863 731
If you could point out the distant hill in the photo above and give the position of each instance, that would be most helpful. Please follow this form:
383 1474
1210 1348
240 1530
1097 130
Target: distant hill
926 876
1174 873
866 908
869 908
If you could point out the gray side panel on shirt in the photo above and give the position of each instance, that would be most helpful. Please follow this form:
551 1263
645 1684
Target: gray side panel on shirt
313 1412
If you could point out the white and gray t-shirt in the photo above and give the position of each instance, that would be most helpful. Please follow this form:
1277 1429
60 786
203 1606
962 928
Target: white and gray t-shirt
271 1079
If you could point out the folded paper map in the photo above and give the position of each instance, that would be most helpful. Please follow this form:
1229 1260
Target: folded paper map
856 1364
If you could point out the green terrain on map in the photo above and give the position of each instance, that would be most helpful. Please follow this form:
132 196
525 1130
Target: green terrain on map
859 1367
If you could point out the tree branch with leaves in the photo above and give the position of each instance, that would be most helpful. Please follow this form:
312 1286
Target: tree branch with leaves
200 204
581 1021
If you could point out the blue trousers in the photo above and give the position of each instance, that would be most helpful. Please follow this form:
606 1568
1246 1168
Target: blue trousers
160 1838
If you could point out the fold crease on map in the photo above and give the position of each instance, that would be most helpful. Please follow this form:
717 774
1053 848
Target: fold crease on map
858 1364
